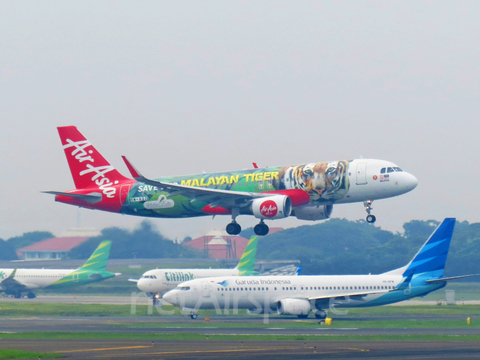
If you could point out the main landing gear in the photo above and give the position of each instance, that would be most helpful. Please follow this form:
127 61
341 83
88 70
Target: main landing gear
234 228
193 315
261 229
321 315
368 207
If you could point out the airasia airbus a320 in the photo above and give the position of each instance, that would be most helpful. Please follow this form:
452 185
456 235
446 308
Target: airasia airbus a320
306 191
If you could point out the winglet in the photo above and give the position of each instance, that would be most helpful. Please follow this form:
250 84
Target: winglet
136 175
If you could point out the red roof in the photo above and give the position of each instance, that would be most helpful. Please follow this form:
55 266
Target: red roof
220 251
56 244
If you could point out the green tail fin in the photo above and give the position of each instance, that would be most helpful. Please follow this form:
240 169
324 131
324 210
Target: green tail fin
98 260
247 261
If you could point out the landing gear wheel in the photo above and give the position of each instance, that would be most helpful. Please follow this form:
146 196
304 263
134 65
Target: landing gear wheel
371 219
321 315
194 316
31 295
304 316
17 295
261 229
233 228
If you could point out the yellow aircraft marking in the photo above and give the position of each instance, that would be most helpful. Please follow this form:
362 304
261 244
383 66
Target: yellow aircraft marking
230 351
201 351
106 349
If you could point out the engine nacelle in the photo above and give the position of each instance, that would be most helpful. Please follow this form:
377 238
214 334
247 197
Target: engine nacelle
272 207
310 212
293 307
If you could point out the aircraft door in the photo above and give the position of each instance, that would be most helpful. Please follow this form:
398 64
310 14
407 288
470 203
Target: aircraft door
361 173
205 289
75 277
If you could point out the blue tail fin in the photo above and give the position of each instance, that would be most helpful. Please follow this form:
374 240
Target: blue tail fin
431 258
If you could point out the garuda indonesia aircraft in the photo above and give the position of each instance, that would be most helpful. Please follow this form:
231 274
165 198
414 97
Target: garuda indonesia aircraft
299 295
157 282
306 191
17 281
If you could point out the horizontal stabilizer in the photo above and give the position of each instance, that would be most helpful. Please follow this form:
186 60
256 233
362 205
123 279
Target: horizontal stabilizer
95 276
450 278
91 198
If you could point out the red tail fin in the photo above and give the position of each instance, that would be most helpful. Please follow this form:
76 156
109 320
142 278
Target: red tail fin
88 167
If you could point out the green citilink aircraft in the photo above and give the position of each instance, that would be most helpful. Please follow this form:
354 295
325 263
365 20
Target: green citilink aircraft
17 281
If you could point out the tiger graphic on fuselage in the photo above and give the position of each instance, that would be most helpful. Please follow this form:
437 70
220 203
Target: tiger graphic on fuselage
324 182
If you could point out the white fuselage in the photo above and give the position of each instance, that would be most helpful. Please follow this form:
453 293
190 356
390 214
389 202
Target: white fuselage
35 278
367 182
159 281
264 292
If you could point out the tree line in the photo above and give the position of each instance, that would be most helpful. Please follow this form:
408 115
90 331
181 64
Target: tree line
337 246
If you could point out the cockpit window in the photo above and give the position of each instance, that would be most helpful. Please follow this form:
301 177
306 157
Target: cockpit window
149 277
390 170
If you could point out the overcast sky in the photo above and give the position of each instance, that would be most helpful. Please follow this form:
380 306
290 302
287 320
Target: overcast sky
184 87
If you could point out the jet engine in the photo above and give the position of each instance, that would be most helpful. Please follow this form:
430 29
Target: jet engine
311 212
272 207
293 307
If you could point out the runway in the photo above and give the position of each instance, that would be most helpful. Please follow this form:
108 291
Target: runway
140 299
148 327
185 325
209 349
313 340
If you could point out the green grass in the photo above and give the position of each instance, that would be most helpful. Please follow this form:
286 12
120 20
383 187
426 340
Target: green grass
463 290
20 354
236 337
313 324
22 309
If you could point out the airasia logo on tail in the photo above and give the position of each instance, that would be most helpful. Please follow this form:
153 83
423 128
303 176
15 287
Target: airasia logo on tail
268 208
80 153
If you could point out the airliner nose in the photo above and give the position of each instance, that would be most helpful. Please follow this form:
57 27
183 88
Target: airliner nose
169 297
141 284
411 182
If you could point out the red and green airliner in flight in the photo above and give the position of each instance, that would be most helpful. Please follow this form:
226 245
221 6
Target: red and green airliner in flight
306 191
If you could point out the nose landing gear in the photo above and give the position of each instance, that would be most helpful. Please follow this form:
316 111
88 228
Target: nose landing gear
368 207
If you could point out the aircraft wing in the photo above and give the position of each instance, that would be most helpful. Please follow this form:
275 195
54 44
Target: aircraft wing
133 280
346 295
216 197
284 270
10 283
